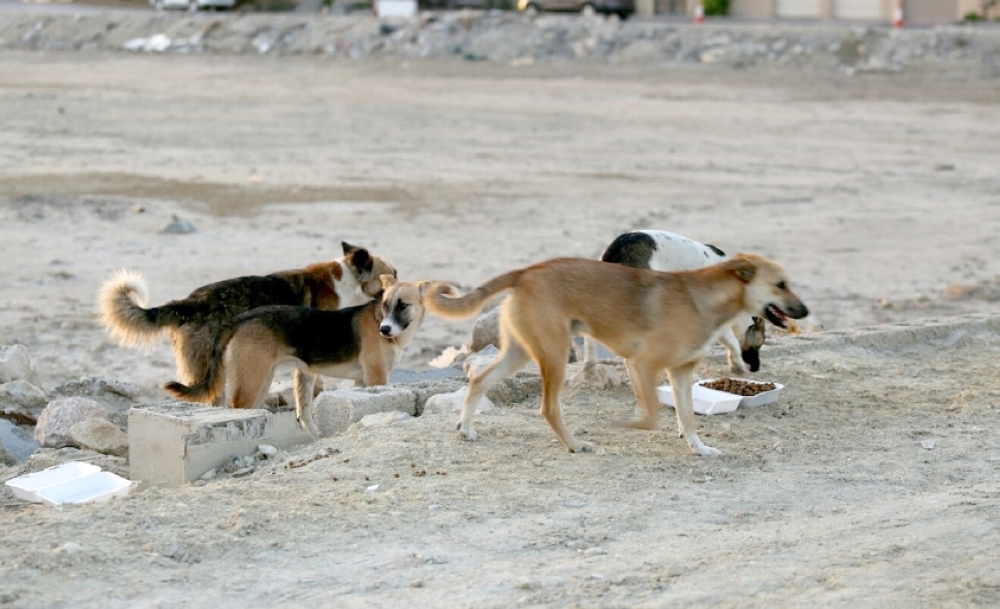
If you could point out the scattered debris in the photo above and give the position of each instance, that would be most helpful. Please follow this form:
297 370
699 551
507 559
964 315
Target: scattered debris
178 227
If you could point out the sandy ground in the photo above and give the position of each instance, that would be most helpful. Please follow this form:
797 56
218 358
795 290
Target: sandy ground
879 195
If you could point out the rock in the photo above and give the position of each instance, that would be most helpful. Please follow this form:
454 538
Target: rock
92 386
178 226
16 445
448 403
267 450
17 365
100 435
474 364
383 419
22 393
59 416
487 331
116 396
599 376
21 402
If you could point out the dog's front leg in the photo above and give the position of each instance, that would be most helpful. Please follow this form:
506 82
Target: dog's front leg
733 351
304 384
682 384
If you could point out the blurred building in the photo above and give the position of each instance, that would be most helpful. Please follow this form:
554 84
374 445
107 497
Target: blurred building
916 12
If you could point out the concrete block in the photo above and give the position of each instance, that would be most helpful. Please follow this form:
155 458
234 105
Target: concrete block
171 443
335 411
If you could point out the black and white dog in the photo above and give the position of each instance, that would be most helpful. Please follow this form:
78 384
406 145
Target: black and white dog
662 251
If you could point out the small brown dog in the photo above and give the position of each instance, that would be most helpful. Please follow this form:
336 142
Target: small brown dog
360 343
195 321
655 320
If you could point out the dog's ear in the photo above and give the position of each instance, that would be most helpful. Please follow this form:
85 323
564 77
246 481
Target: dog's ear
387 281
422 286
744 268
358 257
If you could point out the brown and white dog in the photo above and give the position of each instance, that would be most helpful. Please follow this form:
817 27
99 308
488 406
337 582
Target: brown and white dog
655 320
361 343
195 321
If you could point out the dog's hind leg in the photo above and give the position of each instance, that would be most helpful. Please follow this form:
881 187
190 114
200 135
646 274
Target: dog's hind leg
252 373
553 371
643 375
304 385
681 383
511 359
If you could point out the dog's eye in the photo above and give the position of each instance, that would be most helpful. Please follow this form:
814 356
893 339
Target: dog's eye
402 306
385 306
781 285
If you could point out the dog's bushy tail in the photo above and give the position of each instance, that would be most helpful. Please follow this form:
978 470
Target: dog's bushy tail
214 382
441 301
121 301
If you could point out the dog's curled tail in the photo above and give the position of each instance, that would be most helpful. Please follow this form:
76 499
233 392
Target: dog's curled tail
120 302
441 301
214 382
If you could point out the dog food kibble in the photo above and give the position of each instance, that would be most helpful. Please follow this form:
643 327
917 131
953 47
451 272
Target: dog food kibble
738 387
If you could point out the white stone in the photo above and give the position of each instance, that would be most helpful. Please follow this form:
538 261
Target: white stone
16 365
447 403
383 419
53 427
101 436
22 393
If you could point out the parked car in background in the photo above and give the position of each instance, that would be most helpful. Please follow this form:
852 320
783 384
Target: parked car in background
622 8
192 5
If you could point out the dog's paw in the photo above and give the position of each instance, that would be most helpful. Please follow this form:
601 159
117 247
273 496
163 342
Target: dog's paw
309 424
467 432
706 451
582 447
701 448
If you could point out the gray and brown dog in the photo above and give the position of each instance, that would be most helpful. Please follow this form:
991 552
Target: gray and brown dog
361 343
655 320
195 321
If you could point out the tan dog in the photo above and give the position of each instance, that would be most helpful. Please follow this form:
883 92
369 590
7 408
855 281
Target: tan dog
360 343
195 321
655 320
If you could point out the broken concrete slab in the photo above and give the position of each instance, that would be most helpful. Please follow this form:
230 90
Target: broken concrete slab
400 376
337 410
172 443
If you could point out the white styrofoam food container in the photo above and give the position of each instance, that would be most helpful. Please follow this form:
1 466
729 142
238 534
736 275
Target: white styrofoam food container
753 401
706 401
27 486
94 488
711 401
73 482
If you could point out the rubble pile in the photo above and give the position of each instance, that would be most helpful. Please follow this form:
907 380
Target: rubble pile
517 39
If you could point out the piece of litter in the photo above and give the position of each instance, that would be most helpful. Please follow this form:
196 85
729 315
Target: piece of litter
928 444
178 227
373 487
